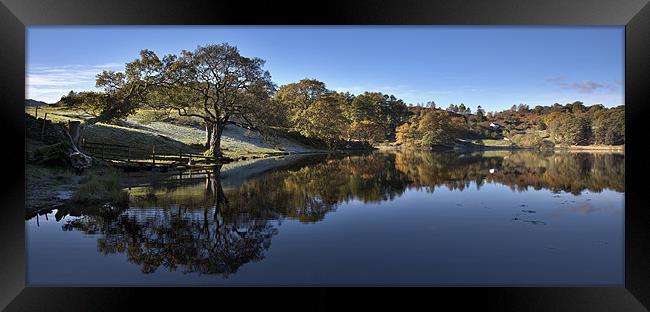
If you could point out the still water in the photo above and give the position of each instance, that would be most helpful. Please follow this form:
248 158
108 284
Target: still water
398 218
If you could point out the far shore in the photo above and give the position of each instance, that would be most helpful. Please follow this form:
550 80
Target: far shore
617 148
568 148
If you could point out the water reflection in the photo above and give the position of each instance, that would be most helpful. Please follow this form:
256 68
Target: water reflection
568 172
211 225
218 240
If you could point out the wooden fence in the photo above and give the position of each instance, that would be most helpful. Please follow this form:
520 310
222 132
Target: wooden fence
129 154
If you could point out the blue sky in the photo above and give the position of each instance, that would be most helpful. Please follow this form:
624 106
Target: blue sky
494 67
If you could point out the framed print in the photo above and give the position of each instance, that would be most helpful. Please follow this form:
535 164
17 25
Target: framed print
421 151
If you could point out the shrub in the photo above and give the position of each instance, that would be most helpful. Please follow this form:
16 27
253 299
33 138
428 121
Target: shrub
101 189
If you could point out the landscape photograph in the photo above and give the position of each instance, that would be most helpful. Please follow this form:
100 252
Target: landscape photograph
325 156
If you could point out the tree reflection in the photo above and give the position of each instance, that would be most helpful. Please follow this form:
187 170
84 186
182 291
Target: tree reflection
216 240
207 228
569 172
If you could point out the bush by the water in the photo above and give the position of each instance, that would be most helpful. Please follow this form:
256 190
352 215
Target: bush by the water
101 189
538 140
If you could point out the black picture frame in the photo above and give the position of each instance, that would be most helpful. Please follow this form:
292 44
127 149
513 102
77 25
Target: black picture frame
15 15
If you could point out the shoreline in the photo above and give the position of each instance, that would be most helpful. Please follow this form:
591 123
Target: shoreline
254 165
264 163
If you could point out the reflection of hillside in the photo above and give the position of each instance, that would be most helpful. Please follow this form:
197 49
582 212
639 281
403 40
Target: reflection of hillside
428 170
570 172
215 227
308 190
573 172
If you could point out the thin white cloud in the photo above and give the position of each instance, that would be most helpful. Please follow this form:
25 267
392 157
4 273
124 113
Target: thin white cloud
49 83
545 99
584 86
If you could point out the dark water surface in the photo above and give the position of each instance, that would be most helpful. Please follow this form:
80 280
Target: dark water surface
411 218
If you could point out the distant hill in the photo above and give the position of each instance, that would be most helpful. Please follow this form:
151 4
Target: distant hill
30 102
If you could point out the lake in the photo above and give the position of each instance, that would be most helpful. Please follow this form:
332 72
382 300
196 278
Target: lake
494 218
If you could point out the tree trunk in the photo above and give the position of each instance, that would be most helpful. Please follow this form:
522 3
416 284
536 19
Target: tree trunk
208 185
215 142
208 133
220 200
75 129
79 160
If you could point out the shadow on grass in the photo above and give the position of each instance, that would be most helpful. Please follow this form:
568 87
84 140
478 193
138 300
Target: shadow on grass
138 140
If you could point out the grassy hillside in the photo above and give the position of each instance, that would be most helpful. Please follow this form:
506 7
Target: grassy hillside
172 134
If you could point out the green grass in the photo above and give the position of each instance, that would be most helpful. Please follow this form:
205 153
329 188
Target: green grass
236 142
168 132
496 153
493 142
100 188
139 140
43 185
56 114
533 139
48 186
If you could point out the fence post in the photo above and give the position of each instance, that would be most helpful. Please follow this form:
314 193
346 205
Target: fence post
128 151
36 115
153 153
180 155
43 128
